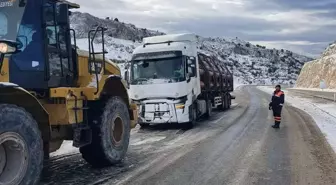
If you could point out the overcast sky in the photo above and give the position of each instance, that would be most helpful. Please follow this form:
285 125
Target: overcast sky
303 26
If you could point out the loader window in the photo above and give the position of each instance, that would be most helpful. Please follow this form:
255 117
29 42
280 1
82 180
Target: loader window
25 35
3 24
29 35
57 42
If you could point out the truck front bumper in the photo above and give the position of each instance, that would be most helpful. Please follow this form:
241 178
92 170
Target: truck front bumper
163 112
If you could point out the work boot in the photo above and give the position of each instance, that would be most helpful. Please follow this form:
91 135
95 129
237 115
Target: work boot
276 125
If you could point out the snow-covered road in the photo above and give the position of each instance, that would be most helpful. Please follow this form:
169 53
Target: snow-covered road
322 111
237 146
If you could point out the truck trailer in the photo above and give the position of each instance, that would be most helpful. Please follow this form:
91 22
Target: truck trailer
171 81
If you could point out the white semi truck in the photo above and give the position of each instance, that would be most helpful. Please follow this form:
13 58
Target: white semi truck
172 82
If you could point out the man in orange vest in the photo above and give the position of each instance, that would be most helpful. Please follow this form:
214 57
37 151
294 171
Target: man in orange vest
278 100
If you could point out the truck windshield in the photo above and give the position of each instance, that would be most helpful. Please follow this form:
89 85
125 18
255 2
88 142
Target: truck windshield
11 12
163 70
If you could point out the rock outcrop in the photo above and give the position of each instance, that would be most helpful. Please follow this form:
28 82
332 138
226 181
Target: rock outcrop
322 69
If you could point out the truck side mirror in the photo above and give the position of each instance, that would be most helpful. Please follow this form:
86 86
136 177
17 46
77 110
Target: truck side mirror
190 61
192 58
188 77
191 66
126 76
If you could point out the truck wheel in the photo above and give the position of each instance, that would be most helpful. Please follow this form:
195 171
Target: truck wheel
21 147
208 113
226 102
223 105
229 101
193 116
110 137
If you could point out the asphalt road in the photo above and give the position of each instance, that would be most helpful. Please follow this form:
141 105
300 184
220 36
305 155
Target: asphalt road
238 146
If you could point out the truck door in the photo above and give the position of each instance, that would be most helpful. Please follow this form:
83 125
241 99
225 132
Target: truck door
192 77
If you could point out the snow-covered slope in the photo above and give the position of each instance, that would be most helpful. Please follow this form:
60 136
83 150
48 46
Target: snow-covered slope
255 64
249 63
84 22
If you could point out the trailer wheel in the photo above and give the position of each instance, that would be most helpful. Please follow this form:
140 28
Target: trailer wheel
110 138
21 147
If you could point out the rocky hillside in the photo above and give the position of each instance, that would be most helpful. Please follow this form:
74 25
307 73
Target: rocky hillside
321 69
84 22
253 64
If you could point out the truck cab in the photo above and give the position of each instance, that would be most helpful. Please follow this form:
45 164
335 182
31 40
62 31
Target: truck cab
164 80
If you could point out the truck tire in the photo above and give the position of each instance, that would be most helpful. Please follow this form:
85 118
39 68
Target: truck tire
208 113
110 137
222 107
192 122
21 147
229 101
226 102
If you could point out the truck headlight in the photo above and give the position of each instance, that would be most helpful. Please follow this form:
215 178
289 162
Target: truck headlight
179 106
5 48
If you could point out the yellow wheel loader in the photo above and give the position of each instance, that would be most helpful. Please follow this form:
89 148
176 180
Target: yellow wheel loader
51 91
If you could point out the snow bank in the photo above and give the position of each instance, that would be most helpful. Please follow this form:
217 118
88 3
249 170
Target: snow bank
316 89
237 82
323 114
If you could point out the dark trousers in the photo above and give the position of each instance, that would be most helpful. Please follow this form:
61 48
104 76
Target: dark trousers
277 115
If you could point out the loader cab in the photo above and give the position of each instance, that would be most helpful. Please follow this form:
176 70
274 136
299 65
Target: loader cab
45 57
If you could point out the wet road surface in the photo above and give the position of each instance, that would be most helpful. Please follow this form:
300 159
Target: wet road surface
237 146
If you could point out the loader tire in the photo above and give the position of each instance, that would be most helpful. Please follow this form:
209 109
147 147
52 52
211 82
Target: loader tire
110 137
21 147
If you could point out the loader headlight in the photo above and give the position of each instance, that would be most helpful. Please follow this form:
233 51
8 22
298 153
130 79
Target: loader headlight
6 48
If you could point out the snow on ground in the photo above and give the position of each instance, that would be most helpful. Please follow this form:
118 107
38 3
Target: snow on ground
237 82
66 148
118 49
324 114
